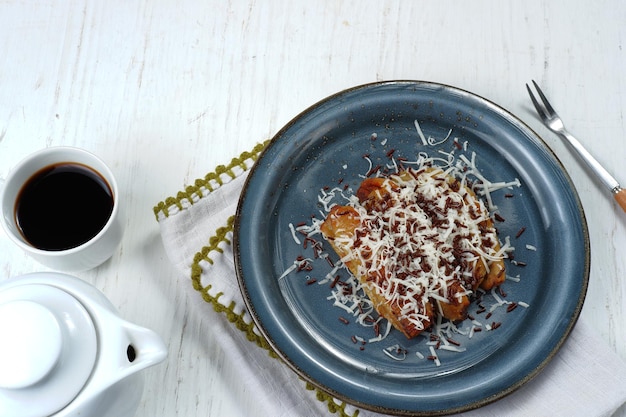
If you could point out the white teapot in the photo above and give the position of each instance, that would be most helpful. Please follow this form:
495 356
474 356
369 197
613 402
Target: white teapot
65 352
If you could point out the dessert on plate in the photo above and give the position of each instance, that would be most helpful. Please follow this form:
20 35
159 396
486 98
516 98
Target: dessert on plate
420 242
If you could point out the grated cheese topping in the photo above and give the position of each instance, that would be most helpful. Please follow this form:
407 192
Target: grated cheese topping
424 235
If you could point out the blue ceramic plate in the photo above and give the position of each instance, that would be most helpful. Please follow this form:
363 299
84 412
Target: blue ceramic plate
331 144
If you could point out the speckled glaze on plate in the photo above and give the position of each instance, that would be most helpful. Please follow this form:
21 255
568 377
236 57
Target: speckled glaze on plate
324 146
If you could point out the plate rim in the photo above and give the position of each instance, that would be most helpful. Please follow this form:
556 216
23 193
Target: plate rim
382 409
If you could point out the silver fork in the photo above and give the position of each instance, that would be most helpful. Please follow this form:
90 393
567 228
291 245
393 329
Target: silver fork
552 120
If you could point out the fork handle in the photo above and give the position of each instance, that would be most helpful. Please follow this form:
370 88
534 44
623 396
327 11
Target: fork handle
603 175
620 197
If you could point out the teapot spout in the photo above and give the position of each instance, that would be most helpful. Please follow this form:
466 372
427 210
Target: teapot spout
145 348
127 349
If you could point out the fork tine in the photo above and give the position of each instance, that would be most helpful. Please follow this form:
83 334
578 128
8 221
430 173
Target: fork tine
549 108
538 107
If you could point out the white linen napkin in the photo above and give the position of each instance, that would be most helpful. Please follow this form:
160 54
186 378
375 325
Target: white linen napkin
586 378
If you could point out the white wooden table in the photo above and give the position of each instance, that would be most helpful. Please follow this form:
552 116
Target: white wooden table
166 90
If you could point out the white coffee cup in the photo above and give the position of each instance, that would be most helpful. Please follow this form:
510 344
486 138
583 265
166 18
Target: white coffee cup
87 255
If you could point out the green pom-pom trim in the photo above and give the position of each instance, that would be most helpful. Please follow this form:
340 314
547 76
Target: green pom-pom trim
194 192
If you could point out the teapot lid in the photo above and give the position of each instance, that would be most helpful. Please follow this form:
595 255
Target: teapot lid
48 349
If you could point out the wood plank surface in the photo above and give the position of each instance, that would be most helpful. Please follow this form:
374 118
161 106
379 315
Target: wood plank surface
165 90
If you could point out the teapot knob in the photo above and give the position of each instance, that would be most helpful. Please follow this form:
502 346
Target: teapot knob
23 361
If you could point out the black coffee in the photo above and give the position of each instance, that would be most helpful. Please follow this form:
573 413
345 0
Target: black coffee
63 206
